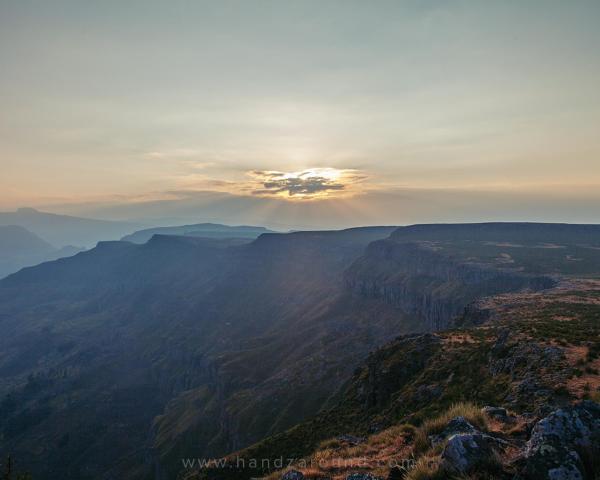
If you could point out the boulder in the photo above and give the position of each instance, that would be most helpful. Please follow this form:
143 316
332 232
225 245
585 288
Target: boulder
553 450
497 413
293 475
466 451
454 426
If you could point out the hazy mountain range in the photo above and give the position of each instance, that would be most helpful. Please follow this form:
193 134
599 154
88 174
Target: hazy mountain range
29 237
20 248
206 230
61 230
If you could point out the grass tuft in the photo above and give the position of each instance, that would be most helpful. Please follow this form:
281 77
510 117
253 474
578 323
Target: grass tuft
426 468
471 412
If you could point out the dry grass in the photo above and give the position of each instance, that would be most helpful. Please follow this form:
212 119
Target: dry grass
430 468
398 433
336 459
588 382
458 338
595 396
426 468
471 412
331 443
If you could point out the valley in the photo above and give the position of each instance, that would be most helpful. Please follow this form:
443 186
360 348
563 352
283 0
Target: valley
126 358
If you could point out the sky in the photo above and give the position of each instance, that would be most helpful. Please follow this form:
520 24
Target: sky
302 114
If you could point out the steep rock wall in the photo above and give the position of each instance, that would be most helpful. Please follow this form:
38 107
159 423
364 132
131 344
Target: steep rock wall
421 281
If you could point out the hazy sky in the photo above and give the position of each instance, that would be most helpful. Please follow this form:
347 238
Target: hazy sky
302 112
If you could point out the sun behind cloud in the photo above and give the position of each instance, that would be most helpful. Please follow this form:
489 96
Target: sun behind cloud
307 184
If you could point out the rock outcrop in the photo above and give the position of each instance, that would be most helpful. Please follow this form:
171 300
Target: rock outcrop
559 442
498 413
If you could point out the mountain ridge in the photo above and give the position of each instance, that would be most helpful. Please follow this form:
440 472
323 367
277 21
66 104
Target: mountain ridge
209 230
60 230
20 248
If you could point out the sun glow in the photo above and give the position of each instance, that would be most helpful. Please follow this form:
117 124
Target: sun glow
306 184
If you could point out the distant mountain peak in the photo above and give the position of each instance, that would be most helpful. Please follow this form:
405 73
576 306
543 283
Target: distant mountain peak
17 238
61 230
27 210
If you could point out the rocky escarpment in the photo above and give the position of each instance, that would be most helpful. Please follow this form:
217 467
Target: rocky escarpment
435 286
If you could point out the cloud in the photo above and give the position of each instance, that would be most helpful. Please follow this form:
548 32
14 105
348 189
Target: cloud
299 185
316 182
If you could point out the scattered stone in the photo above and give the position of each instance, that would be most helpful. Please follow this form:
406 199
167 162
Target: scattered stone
362 476
552 450
351 439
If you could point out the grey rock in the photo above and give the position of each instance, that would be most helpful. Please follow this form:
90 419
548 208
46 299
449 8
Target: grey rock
552 450
454 426
292 475
459 425
351 439
466 451
498 413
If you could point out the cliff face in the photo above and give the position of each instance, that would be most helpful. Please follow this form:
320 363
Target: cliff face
434 286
